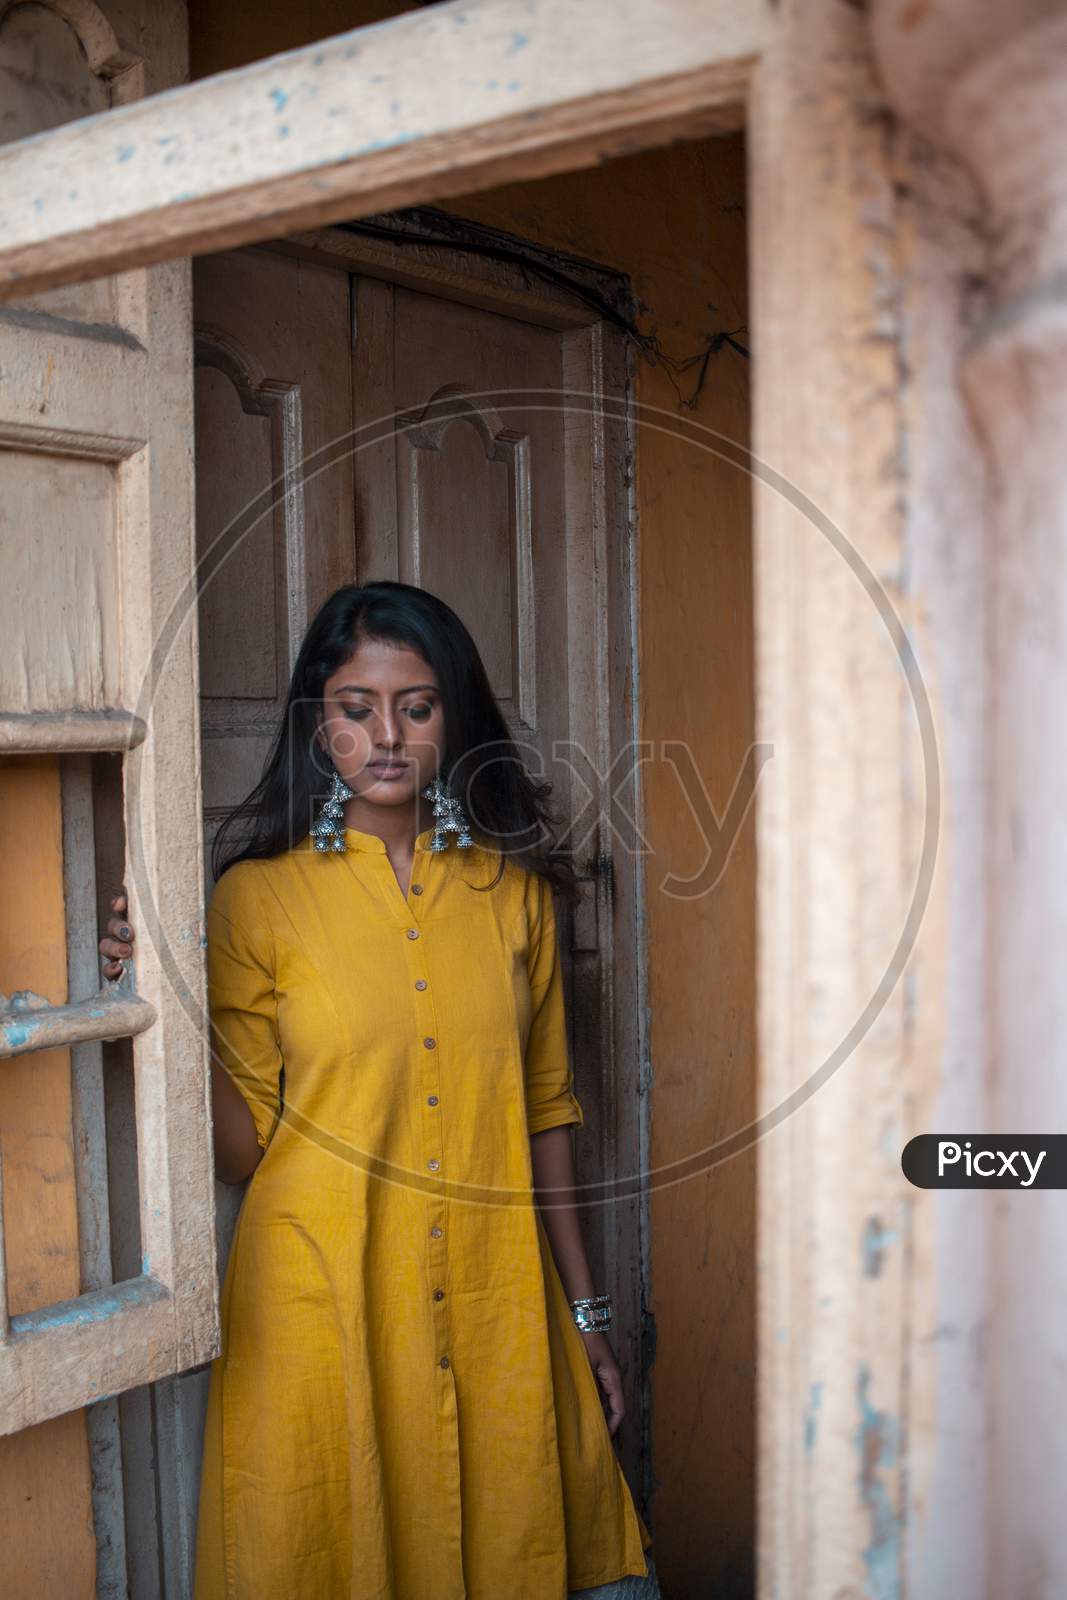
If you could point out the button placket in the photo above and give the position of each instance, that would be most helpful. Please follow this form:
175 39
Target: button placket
425 1040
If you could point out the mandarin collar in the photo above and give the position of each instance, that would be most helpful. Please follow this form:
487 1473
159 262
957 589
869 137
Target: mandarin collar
355 839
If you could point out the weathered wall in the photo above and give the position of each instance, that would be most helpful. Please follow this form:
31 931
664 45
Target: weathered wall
981 91
946 552
674 220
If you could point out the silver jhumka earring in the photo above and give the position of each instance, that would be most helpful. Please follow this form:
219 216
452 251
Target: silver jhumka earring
326 833
448 817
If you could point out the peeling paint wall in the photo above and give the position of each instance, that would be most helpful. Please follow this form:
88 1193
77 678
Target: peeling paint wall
674 219
943 291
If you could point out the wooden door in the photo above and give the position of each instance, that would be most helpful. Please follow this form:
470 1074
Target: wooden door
106 1167
273 493
352 427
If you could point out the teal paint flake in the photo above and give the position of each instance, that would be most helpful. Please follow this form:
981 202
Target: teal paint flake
96 1309
811 1417
280 98
876 1239
877 1444
126 152
519 41
25 999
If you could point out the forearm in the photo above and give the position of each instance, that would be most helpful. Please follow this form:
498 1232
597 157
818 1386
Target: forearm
237 1150
552 1155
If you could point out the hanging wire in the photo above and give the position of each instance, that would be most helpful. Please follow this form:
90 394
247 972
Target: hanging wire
436 228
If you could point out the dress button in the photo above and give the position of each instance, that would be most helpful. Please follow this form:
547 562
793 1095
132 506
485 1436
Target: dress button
431 1100
430 1043
435 1233
444 1361
420 983
416 888
433 1164
413 933
439 1294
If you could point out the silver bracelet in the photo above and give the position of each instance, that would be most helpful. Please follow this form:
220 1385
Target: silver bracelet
592 1313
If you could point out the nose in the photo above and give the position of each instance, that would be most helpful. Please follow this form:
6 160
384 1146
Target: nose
389 740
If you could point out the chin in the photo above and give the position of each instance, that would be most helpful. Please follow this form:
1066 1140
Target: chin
384 793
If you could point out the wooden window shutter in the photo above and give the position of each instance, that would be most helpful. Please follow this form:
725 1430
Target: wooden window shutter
99 654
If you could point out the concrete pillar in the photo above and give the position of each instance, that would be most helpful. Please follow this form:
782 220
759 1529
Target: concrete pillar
988 84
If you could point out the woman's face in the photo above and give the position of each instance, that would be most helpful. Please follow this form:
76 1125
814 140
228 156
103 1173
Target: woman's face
383 722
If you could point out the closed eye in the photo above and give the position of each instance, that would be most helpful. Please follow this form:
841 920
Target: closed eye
417 713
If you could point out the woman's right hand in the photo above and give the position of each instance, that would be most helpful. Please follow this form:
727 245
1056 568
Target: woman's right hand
117 944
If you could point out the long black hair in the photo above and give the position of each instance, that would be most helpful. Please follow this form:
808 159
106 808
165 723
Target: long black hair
506 805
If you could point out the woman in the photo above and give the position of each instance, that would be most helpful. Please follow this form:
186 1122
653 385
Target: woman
404 1406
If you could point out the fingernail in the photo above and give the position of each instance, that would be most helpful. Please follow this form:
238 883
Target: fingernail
124 931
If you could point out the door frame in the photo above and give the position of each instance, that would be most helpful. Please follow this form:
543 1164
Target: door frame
836 1489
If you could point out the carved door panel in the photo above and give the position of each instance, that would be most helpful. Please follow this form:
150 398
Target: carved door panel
468 496
274 493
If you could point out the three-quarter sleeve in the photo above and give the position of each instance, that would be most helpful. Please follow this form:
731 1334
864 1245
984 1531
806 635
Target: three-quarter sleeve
550 1098
241 994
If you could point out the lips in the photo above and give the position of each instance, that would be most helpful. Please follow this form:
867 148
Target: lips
387 769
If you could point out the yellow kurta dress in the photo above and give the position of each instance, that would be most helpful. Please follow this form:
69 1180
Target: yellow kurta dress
403 1407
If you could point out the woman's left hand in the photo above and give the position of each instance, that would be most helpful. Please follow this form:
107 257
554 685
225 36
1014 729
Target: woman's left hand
606 1368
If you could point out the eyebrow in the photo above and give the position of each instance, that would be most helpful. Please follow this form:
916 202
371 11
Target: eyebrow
361 688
